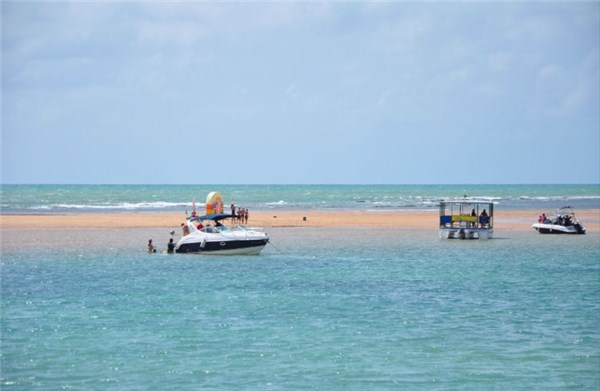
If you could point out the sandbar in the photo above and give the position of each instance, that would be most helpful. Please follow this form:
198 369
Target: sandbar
504 220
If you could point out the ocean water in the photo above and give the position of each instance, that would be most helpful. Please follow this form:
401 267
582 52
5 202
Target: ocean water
19 199
324 309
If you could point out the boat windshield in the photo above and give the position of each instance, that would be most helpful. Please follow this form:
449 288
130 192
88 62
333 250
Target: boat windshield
566 211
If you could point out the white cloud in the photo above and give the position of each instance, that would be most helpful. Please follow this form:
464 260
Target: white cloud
574 100
460 75
383 98
499 62
404 33
352 67
292 91
535 26
184 33
549 72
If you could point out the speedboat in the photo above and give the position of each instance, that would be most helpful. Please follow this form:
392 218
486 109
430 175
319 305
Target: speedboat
563 222
466 219
208 235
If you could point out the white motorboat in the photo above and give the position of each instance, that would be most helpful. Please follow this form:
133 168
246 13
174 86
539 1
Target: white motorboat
466 219
208 235
563 222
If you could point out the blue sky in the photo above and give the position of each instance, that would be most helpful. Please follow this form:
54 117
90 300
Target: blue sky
284 93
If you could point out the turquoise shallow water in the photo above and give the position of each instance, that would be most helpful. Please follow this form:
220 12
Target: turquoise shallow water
327 309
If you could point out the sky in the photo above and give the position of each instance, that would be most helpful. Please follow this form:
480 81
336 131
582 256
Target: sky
300 92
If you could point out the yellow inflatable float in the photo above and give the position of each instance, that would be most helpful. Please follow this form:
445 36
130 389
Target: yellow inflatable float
214 203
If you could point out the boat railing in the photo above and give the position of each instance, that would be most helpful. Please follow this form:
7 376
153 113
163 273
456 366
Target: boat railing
466 214
465 220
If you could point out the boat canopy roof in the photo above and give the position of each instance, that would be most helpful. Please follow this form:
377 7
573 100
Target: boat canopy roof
212 217
466 201
466 206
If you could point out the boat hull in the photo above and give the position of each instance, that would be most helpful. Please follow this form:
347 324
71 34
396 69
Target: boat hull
223 247
466 233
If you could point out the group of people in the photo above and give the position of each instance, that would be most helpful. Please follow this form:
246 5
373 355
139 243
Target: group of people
484 219
241 217
542 219
170 245
566 221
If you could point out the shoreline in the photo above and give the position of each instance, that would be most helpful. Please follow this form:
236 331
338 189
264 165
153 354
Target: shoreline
503 220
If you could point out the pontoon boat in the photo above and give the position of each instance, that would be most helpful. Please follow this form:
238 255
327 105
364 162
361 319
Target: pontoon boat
466 219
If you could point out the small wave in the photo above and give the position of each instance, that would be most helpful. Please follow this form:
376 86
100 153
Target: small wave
491 199
120 206
559 198
280 202
484 198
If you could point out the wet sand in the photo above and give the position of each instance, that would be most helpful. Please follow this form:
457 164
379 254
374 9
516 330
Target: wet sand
503 220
